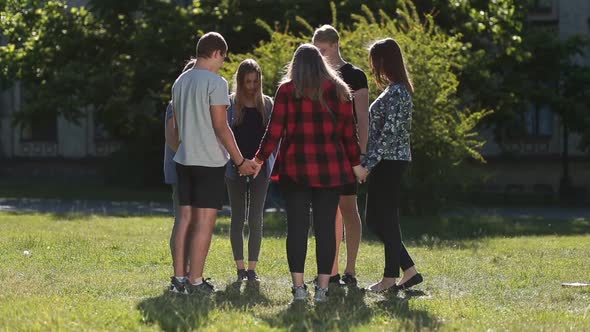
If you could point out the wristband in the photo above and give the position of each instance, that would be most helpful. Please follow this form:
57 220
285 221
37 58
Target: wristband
242 163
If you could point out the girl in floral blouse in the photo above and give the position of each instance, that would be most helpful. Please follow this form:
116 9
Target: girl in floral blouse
388 155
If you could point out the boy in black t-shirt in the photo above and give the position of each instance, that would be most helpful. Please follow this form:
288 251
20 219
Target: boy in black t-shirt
326 38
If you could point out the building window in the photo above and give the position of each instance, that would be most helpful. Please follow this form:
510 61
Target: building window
41 127
534 123
541 7
100 132
539 121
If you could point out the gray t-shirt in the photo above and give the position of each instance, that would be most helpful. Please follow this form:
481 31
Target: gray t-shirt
169 164
193 93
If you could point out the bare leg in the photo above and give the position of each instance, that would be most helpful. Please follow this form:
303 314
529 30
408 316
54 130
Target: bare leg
297 279
181 234
252 265
408 274
382 285
353 228
204 221
339 231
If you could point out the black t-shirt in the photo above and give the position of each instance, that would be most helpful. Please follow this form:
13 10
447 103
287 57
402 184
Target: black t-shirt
355 78
249 132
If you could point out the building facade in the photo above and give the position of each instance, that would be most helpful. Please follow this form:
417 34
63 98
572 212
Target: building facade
530 159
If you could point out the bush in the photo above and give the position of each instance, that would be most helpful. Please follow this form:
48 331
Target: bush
443 133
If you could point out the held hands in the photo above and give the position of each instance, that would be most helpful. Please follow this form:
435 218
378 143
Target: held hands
361 173
259 163
249 167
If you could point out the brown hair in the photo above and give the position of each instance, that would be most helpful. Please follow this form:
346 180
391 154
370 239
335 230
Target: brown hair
209 43
387 64
308 69
246 67
326 34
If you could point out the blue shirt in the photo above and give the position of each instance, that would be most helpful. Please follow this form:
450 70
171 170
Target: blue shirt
169 164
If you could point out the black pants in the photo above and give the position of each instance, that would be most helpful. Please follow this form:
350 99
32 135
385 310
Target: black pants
324 203
382 213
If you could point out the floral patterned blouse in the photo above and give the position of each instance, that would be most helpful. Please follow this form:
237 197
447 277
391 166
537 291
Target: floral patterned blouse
390 123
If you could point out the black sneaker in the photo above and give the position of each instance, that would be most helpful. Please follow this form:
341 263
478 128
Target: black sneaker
349 280
242 275
252 276
178 287
204 288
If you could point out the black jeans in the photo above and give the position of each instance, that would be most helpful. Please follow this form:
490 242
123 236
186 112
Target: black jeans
382 213
324 203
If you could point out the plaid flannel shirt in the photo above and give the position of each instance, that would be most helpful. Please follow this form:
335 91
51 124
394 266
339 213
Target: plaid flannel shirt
316 149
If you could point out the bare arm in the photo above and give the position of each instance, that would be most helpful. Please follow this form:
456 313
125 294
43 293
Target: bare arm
171 134
361 106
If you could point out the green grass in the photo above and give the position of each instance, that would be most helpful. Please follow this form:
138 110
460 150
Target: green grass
107 273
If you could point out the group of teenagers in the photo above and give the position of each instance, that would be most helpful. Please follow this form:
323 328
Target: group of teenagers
318 134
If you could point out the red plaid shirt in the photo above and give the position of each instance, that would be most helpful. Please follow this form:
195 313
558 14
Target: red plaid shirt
316 149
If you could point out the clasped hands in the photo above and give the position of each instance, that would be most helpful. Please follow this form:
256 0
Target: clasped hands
249 167
361 173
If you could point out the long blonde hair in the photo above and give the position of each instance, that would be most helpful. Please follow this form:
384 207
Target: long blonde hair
246 67
308 70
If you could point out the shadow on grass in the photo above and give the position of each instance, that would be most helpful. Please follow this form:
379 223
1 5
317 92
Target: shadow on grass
448 231
189 312
348 309
235 297
458 231
175 312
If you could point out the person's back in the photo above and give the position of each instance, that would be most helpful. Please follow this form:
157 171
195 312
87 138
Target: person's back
193 93
200 99
312 116
313 150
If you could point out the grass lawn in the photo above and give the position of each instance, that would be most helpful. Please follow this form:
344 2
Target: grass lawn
107 273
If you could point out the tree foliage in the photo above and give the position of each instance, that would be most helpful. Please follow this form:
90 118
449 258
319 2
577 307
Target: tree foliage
443 131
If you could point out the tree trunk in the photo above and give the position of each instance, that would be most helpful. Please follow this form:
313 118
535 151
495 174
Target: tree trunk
565 182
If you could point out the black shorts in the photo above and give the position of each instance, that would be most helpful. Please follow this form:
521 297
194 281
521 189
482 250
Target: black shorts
349 189
200 186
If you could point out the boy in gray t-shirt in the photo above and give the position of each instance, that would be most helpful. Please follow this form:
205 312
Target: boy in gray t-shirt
199 100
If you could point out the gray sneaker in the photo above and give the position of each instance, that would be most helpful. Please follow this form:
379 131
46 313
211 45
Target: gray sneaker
204 288
321 295
300 293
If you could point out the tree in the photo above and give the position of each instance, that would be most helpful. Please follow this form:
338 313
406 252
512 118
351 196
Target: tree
120 58
558 77
443 135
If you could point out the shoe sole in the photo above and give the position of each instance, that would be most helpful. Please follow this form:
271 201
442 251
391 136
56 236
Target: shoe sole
176 291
